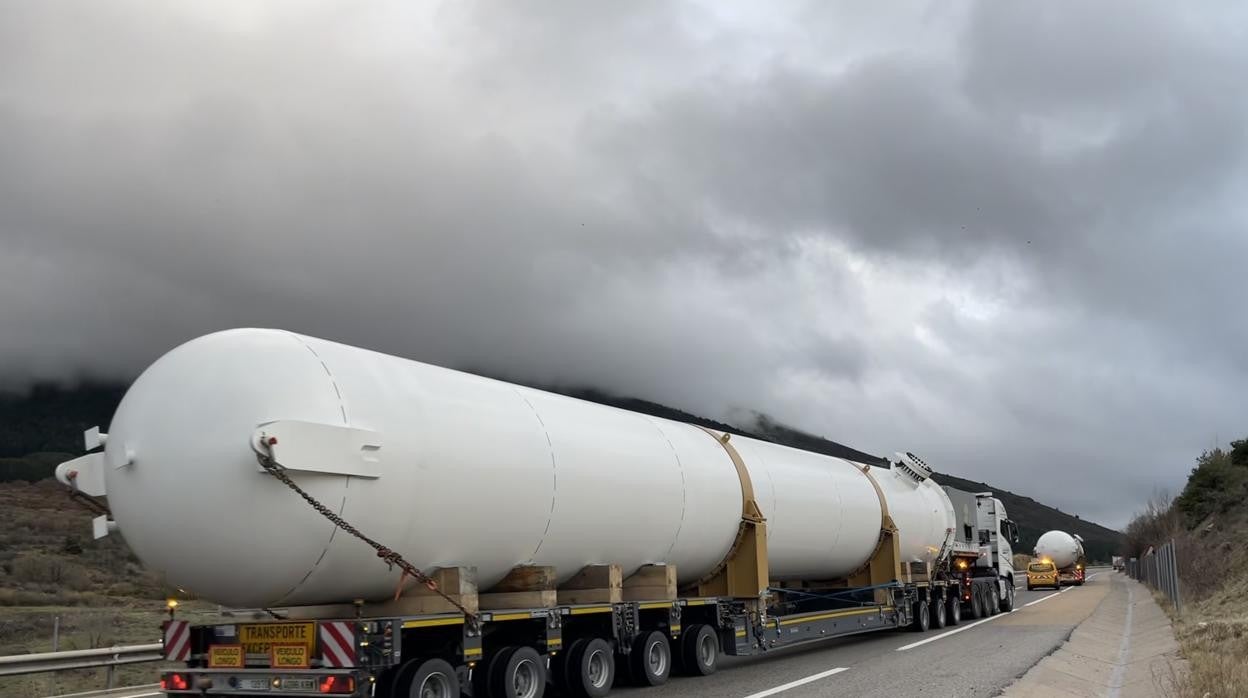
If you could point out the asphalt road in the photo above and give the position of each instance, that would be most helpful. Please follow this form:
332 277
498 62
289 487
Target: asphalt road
976 658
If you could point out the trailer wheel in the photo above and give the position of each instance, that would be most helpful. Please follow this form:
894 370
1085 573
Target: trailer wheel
518 673
591 669
485 670
992 598
651 659
938 614
429 678
977 602
953 614
922 617
1007 604
561 668
699 650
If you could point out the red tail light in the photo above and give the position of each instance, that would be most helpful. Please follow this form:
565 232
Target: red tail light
337 684
174 682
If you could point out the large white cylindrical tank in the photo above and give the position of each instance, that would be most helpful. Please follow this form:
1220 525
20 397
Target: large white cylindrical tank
1059 547
451 469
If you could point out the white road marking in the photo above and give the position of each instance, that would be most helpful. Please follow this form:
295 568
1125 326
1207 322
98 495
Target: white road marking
1124 649
1046 598
799 682
955 631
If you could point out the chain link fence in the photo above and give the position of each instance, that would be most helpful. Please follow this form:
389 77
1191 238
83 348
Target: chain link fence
1159 569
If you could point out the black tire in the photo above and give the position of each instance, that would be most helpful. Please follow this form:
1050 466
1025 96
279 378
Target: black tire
485 674
1007 604
977 603
651 659
426 677
1030 588
561 668
519 673
938 614
591 669
992 599
953 614
922 617
699 650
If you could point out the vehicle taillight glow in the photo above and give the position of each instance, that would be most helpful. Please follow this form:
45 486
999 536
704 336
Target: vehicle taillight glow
174 682
337 684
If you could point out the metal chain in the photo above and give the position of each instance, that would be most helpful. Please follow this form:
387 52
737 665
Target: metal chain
88 502
390 557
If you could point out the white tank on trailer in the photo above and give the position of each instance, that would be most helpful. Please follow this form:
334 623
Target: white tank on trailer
1059 547
451 469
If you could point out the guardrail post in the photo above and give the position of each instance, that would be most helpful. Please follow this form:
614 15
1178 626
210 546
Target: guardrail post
112 676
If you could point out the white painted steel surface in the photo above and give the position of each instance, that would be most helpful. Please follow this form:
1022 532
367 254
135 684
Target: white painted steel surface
469 471
1060 547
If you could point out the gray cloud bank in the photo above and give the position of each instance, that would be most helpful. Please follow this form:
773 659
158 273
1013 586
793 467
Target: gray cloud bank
1006 237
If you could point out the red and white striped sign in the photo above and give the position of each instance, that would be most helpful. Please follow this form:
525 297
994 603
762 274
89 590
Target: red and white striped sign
337 644
177 640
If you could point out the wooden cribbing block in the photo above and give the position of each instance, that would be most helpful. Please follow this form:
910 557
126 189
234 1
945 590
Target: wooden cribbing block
651 583
460 583
528 586
594 584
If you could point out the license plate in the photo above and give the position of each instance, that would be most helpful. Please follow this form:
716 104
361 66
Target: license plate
253 684
299 684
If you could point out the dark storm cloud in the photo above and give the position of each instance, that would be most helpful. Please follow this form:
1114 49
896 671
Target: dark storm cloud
1004 237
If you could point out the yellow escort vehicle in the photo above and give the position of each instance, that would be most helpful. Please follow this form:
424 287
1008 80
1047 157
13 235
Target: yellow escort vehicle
1042 573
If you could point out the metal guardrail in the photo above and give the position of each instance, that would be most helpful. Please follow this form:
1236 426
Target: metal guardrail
149 689
110 657
1159 569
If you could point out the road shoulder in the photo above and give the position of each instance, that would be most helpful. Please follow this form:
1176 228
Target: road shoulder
1126 647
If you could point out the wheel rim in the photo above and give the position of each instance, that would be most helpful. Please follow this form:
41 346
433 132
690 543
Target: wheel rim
524 679
597 669
706 650
435 685
656 659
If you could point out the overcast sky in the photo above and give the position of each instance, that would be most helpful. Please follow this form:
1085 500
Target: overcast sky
1009 237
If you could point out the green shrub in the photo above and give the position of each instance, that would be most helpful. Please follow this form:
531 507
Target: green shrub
1217 484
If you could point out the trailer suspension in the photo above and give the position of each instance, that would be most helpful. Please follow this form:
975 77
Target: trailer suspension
392 559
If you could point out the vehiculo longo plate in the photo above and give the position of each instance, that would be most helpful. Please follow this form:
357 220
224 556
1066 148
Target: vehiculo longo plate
288 656
225 656
259 638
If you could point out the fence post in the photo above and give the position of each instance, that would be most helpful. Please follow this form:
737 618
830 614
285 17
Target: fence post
1178 604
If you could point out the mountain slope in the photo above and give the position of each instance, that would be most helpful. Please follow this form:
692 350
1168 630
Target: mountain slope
1034 518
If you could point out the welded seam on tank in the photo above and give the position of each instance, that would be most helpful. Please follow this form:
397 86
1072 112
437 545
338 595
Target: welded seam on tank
554 472
684 487
346 485
840 508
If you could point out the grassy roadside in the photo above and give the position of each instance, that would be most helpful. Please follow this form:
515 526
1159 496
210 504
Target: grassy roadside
26 629
94 593
1208 524
1213 637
